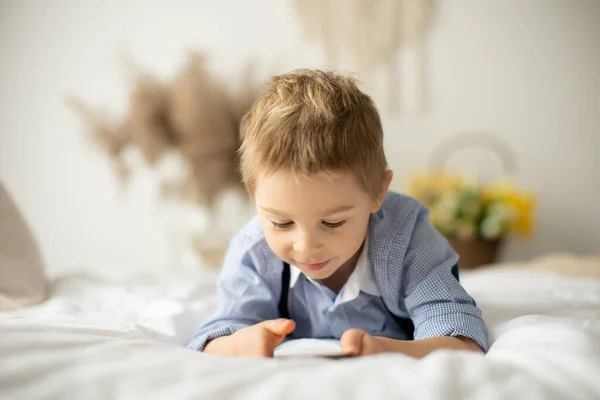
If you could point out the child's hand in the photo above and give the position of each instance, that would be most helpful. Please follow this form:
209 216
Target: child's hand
257 340
357 342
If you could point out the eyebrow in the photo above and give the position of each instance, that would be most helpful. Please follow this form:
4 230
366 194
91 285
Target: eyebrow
327 212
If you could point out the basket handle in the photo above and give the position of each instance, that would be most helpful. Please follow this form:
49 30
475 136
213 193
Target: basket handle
488 141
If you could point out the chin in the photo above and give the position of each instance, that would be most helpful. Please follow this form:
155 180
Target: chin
321 274
316 275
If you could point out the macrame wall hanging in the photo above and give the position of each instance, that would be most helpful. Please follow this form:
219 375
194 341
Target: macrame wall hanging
382 41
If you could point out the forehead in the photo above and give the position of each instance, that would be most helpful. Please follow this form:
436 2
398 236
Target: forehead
297 193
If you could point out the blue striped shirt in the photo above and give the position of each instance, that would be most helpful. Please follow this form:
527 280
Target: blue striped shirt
404 271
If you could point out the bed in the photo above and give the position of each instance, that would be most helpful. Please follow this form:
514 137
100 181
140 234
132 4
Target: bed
99 338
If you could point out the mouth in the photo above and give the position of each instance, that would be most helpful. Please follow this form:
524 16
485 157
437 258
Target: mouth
316 266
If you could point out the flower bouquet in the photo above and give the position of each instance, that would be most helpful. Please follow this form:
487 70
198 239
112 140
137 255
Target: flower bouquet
475 217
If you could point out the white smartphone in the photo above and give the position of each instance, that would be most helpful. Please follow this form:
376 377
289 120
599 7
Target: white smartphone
327 348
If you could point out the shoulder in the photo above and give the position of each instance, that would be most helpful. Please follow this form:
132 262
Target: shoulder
403 237
398 206
249 236
248 248
398 217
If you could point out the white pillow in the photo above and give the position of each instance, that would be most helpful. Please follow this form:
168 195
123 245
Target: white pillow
22 278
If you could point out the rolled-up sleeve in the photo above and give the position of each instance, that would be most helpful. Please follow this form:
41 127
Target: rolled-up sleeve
435 300
245 297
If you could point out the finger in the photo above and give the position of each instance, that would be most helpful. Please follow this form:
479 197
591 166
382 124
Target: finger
351 342
274 333
280 326
270 342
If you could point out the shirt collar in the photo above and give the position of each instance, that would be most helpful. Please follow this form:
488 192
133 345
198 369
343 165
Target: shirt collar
361 279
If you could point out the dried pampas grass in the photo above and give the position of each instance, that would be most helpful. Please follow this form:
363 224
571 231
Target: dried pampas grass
195 115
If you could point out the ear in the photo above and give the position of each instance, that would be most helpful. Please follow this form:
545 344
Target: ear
389 174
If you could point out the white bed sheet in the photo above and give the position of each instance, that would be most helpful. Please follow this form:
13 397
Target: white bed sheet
99 339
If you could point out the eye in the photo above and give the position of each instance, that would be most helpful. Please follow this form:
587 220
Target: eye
334 225
278 225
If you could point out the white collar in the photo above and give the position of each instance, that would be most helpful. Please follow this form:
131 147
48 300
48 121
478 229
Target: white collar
361 279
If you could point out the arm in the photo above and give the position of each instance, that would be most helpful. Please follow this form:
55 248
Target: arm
421 347
257 340
358 342
435 300
444 315
246 297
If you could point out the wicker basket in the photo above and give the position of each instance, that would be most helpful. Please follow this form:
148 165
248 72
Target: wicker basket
477 251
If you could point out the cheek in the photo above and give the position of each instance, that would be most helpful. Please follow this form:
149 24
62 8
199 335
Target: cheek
346 243
277 242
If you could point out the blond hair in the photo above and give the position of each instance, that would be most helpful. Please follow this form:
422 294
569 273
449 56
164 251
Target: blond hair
313 121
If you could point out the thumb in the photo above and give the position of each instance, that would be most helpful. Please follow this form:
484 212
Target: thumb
280 326
351 342
276 331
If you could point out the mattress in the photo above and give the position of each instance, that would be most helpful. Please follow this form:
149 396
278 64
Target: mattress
124 339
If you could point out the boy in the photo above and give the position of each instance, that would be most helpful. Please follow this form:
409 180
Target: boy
331 253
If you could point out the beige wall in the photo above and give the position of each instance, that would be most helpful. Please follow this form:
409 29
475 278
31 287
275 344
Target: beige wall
527 71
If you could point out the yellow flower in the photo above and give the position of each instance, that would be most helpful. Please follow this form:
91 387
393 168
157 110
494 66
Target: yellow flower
460 206
466 229
428 188
522 202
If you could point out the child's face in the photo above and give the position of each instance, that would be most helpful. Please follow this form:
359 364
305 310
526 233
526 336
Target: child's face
316 223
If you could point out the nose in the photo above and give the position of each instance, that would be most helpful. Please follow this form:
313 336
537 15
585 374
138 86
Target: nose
306 243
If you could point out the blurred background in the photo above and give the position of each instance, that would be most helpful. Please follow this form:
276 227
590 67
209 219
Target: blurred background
525 74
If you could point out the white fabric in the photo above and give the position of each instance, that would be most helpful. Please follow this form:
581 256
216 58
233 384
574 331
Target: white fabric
96 340
22 278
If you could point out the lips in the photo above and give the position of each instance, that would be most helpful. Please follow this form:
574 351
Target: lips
317 266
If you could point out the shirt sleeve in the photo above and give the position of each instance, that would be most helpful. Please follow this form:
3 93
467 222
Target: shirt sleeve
245 298
435 300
